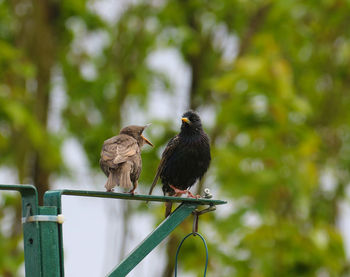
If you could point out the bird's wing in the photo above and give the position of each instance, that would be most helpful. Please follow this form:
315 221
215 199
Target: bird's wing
169 149
118 149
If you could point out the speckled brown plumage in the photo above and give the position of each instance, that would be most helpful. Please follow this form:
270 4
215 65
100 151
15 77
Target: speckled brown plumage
121 158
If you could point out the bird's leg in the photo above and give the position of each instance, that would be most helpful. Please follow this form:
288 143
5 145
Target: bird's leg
178 192
133 189
189 194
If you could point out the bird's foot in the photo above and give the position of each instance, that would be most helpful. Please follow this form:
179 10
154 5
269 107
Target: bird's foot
178 192
189 194
110 190
132 192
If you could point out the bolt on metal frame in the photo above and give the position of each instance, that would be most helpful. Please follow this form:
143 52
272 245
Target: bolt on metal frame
42 228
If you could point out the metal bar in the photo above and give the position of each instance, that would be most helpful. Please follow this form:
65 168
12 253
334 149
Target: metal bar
53 198
128 196
31 230
43 243
155 238
50 244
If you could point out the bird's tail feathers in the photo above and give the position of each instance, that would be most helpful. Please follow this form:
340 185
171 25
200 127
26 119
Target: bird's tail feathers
119 177
124 181
111 181
155 180
124 176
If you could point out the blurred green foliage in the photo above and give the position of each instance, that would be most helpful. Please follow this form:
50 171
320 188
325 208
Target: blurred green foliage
275 73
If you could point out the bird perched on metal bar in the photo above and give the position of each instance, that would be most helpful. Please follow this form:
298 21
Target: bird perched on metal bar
185 159
121 158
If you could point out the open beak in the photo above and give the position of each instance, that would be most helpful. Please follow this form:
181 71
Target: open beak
146 140
186 120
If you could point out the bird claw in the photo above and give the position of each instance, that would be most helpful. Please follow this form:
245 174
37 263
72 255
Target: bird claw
179 192
190 195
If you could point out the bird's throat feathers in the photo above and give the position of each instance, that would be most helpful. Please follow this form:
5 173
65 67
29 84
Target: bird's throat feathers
190 130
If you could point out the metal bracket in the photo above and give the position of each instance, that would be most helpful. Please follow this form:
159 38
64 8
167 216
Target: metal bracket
196 213
41 218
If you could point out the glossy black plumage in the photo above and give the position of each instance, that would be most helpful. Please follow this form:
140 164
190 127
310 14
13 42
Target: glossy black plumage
185 159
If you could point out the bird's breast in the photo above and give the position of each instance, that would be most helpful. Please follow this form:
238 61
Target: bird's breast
188 162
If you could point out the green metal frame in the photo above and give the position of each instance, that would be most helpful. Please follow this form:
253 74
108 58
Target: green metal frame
43 240
31 230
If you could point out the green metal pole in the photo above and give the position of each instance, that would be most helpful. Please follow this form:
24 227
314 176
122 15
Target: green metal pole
31 230
50 244
155 238
54 199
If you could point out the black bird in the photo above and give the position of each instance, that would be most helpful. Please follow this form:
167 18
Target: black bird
185 159
121 158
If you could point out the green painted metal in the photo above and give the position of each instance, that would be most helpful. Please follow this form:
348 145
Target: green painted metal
155 238
53 196
31 230
54 199
43 241
50 248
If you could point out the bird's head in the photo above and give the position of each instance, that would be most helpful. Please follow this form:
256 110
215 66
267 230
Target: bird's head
136 132
191 121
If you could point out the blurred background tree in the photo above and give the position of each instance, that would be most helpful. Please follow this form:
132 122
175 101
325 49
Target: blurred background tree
270 77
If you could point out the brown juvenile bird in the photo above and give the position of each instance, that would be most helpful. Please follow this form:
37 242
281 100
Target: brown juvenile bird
185 159
121 158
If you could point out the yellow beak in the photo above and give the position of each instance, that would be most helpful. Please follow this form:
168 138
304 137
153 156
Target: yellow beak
147 141
185 119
